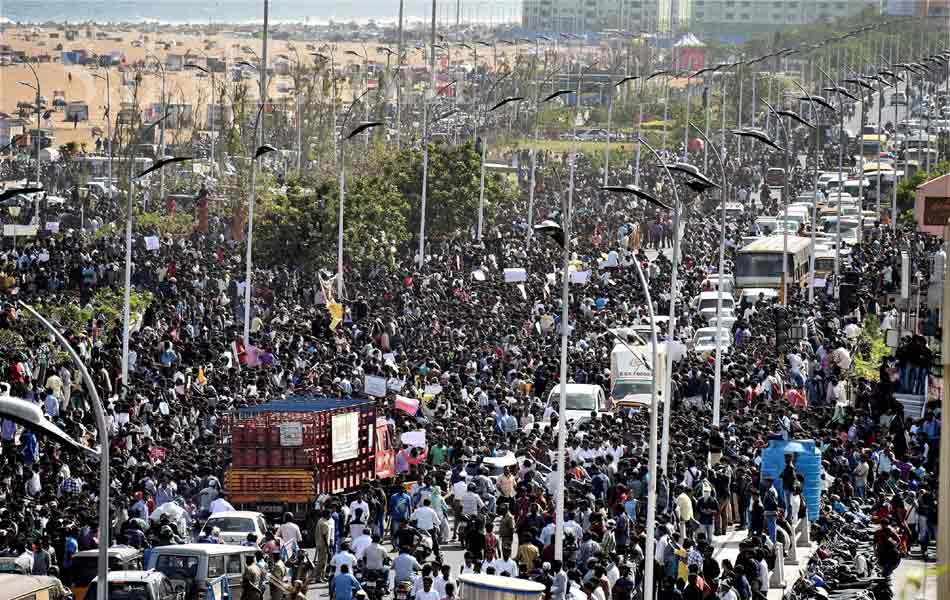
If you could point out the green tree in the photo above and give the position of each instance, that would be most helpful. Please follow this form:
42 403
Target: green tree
452 193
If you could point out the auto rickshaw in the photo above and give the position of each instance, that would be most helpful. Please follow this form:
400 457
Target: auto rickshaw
85 565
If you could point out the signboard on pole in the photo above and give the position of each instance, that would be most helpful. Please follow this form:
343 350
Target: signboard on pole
344 435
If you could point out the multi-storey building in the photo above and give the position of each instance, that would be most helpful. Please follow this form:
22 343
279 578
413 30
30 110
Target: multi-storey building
740 19
583 16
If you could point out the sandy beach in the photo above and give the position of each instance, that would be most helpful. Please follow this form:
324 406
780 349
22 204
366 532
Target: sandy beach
79 83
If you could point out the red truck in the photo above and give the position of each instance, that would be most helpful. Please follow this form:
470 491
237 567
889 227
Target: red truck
286 453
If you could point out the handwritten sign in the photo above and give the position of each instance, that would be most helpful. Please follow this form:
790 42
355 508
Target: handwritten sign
515 275
151 242
374 386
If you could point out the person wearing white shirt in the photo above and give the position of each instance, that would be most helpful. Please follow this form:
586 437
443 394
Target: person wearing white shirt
547 533
505 565
289 534
220 504
426 518
343 557
427 592
361 543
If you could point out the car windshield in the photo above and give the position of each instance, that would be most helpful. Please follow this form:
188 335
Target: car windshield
231 524
712 302
579 401
177 566
635 387
123 590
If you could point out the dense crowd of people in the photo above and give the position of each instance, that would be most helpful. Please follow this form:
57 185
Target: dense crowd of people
493 349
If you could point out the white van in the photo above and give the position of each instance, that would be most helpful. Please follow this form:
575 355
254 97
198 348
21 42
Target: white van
706 303
582 399
191 567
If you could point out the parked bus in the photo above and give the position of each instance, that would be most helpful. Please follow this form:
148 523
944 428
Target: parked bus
873 145
759 264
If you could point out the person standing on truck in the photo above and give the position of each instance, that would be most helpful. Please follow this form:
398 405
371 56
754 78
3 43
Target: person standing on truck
400 507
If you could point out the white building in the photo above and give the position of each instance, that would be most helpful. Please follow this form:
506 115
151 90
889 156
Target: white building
583 16
10 125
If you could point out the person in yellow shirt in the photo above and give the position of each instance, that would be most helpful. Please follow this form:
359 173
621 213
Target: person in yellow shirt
527 553
684 509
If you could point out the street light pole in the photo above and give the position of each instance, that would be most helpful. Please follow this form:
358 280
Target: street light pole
108 123
212 106
161 143
481 184
102 428
259 131
717 385
342 183
671 327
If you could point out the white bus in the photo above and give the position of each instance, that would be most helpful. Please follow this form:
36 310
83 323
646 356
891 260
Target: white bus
759 264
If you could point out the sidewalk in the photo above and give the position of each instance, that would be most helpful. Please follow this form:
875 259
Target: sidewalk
727 547
911 583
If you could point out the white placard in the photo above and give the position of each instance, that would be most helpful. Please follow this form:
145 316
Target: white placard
515 275
819 282
580 277
524 293
395 385
433 389
374 386
151 242
389 358
344 436
291 434
414 438
478 275
52 226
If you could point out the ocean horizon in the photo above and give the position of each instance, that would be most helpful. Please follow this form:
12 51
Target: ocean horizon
175 12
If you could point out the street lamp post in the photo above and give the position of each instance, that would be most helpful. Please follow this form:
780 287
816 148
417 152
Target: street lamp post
213 107
127 288
342 183
813 100
161 144
102 427
610 110
481 183
717 383
108 123
39 94
698 176
650 549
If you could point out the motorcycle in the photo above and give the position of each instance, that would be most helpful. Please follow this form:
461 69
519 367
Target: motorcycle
403 590
375 584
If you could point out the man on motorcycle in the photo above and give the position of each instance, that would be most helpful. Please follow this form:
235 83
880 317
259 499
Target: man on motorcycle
375 558
405 566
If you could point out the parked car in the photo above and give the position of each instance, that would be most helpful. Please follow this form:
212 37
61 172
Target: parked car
236 525
138 585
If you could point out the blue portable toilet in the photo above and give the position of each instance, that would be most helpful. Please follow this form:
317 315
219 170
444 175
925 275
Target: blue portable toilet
807 462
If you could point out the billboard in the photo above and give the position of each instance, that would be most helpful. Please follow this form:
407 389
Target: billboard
345 438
